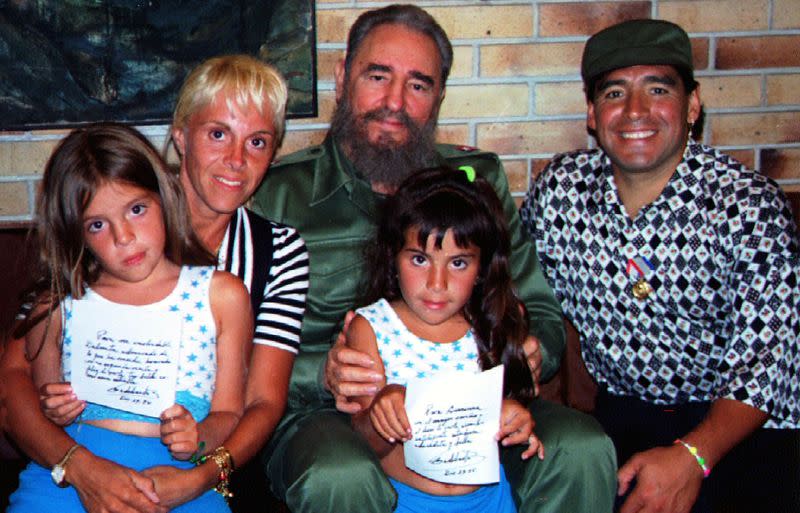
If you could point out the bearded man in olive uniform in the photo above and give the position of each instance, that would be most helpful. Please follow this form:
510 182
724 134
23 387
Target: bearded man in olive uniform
389 89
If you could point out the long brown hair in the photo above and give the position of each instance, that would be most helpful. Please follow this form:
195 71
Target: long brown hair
439 199
86 159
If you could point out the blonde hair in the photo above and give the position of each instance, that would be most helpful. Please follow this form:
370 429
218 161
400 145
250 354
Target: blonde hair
247 81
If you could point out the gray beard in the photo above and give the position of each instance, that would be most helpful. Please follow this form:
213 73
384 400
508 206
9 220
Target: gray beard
385 162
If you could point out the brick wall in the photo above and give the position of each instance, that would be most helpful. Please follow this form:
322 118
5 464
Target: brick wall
515 87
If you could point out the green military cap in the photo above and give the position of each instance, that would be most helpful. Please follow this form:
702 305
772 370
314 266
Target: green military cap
634 43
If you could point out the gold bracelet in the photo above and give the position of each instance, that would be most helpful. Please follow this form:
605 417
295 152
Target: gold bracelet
222 457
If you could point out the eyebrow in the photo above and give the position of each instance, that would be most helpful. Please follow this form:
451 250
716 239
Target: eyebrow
227 126
414 74
649 79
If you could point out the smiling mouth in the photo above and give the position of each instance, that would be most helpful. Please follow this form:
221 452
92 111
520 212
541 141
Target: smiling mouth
642 134
229 183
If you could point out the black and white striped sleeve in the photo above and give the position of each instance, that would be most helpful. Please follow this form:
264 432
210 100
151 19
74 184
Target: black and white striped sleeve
280 315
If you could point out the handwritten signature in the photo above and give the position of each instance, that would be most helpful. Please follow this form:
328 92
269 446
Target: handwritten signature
456 459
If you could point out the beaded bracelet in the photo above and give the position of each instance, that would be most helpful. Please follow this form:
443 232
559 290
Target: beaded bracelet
693 451
198 453
222 457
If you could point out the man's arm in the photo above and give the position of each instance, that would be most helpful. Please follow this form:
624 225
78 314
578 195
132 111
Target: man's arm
669 478
762 288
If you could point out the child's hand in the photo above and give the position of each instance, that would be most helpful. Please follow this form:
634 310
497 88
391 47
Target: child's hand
516 427
388 414
59 403
179 432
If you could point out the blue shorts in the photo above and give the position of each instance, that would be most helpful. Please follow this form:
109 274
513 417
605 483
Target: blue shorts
37 492
493 498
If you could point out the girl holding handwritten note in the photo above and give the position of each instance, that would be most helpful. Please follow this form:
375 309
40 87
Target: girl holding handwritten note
131 308
442 300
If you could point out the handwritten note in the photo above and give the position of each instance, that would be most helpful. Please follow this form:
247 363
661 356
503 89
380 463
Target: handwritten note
454 418
125 357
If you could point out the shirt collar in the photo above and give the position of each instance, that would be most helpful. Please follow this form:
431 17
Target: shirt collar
672 191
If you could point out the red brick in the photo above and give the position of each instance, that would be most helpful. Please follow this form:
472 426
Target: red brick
537 166
453 134
781 163
579 18
700 52
332 26
532 137
716 15
758 52
759 128
746 157
326 63
517 174
530 59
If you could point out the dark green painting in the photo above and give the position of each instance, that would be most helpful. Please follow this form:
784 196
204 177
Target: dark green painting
68 62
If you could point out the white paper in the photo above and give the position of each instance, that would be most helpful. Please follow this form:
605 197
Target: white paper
125 357
454 418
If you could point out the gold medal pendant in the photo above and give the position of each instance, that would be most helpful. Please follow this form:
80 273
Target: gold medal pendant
641 289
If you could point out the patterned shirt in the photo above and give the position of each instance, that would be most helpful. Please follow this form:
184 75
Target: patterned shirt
717 255
406 356
280 315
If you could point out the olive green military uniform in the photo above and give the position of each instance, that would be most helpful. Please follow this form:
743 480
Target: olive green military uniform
315 461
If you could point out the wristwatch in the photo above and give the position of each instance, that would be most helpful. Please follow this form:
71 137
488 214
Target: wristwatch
59 471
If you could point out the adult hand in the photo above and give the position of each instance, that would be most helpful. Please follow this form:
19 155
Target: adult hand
179 432
668 480
516 427
106 487
349 373
59 403
176 486
533 354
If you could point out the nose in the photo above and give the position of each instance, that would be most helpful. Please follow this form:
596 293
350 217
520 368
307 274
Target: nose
636 105
234 157
437 278
395 96
123 233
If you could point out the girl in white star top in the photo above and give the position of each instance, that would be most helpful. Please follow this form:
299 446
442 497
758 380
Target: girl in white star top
114 234
442 300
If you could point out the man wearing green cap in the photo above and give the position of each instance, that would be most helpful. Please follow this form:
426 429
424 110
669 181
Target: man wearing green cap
389 88
679 268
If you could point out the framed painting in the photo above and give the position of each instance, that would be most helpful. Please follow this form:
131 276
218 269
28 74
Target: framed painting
64 63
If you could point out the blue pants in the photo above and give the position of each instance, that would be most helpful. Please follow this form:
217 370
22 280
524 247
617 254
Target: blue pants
493 498
38 494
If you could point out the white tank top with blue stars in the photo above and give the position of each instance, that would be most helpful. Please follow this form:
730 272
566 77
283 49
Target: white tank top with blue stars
197 367
406 356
